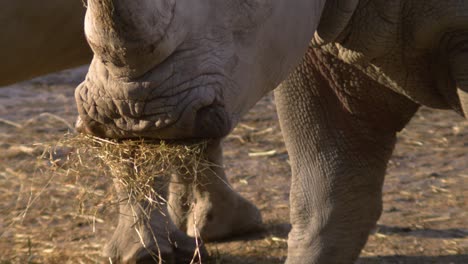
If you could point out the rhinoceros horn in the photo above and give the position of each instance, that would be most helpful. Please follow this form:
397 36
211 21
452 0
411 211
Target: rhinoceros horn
130 37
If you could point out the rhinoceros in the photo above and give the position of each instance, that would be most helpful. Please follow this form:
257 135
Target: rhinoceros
40 37
351 74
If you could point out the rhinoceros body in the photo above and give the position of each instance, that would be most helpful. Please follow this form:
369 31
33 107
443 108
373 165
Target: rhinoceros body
40 37
352 75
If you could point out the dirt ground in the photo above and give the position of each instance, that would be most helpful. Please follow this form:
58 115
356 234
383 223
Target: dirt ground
45 219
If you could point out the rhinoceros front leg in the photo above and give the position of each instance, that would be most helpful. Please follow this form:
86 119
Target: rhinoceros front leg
206 205
339 144
148 235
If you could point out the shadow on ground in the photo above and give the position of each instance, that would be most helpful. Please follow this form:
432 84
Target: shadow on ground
448 259
281 230
423 232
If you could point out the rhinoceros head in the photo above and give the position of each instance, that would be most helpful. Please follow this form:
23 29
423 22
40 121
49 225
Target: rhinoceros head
176 69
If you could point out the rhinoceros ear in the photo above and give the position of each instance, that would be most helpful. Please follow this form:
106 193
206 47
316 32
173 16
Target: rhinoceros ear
335 16
129 36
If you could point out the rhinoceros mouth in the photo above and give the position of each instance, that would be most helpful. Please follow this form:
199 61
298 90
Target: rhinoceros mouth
116 109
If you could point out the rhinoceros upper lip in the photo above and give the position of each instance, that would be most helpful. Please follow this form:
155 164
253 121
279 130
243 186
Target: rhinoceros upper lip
134 115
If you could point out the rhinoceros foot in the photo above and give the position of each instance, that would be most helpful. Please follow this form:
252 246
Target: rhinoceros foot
217 214
148 235
126 247
224 220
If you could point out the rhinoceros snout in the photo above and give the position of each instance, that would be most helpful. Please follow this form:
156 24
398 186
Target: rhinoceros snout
208 122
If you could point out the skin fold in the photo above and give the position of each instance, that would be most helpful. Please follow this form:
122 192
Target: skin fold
352 75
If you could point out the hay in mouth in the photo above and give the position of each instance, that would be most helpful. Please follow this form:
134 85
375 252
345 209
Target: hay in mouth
140 167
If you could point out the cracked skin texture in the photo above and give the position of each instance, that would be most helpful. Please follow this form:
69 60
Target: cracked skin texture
345 128
349 98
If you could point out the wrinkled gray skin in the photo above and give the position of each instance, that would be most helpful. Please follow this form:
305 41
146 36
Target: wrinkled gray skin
40 37
176 69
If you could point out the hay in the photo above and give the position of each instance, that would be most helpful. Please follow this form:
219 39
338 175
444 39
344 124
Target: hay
136 166
139 169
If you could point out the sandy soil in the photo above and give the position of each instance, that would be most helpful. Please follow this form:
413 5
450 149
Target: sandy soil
49 217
